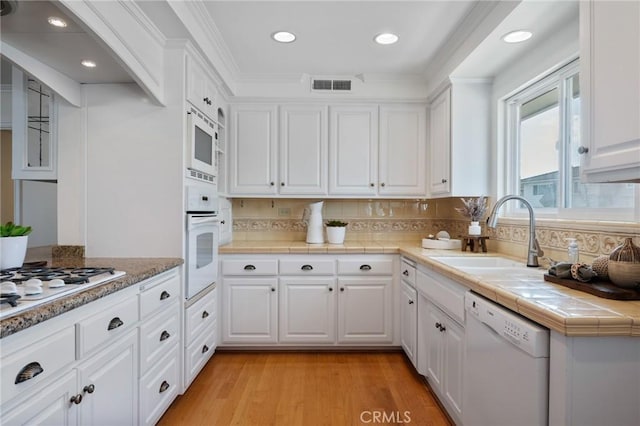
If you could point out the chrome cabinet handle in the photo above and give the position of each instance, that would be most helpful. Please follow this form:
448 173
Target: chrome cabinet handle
164 295
205 314
405 273
249 268
583 150
205 349
307 267
164 386
89 388
76 399
28 372
365 267
164 336
115 323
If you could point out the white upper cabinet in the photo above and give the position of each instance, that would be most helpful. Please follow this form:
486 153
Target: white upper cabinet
402 159
253 150
353 150
201 90
610 85
303 150
459 135
34 145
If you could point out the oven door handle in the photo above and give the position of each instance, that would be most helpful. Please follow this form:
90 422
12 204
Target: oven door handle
195 221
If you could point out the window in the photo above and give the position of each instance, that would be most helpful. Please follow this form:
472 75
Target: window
543 136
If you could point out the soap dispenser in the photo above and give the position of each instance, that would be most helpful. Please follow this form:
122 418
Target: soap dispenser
573 252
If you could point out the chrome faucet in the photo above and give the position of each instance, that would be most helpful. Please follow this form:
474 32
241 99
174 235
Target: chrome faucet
534 247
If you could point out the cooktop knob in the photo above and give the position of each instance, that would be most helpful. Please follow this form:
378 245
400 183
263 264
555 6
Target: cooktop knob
8 288
56 282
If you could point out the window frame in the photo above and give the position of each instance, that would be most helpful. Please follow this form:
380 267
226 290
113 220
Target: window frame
556 77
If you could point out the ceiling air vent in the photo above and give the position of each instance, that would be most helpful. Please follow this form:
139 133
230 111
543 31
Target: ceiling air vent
330 85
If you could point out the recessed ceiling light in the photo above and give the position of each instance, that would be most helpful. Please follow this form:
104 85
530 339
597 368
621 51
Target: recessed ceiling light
283 36
88 63
57 22
386 38
517 36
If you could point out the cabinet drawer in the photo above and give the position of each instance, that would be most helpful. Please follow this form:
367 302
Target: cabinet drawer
106 325
250 267
158 335
200 316
159 388
158 294
308 267
198 353
408 273
36 362
365 266
443 292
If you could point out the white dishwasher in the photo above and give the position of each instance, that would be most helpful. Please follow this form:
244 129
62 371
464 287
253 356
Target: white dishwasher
506 375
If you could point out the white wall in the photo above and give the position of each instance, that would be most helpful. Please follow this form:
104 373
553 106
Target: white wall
38 210
549 53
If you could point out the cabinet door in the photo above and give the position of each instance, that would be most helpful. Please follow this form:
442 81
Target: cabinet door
109 384
440 144
408 321
252 168
201 91
48 406
365 310
226 221
401 170
250 312
434 345
303 150
307 310
353 150
453 359
610 84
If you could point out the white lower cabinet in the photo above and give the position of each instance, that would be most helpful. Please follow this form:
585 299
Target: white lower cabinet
108 384
159 387
48 406
307 310
201 334
365 310
250 310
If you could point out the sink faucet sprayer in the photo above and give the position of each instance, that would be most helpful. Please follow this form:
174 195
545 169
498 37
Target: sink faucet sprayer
534 247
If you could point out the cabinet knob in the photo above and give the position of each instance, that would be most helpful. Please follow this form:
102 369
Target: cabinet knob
382 184
207 101
411 302
443 328
438 325
341 288
249 268
330 288
405 273
372 185
89 388
205 198
164 336
444 181
281 183
76 399
205 314
307 268
28 372
222 222
114 323
164 386
164 295
273 289
271 183
583 150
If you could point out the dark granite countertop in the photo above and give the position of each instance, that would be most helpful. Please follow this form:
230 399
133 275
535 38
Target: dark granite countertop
137 269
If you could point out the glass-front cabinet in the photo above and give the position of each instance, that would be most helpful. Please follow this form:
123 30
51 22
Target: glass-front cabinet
33 128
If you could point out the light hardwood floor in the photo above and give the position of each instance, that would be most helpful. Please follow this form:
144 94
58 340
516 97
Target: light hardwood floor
306 388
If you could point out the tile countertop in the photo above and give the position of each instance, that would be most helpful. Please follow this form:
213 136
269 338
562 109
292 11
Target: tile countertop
137 269
567 311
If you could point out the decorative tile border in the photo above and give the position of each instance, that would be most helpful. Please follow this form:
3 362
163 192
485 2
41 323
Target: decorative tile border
358 226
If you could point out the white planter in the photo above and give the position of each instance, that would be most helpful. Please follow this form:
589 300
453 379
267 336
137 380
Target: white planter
12 251
474 228
335 234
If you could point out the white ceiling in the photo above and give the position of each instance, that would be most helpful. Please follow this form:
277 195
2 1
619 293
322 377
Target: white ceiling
27 29
334 37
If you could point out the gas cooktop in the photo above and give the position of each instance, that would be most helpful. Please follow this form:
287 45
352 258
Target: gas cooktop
34 284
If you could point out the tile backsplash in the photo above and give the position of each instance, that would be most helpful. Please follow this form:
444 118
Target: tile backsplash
412 220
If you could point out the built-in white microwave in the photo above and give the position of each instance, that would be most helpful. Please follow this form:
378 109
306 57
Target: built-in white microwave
202 143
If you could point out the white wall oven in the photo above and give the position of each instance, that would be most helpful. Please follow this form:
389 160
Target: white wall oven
202 143
202 235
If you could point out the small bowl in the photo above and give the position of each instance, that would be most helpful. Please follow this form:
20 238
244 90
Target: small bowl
624 274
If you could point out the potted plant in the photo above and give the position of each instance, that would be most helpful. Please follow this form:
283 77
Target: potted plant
336 230
474 209
13 244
